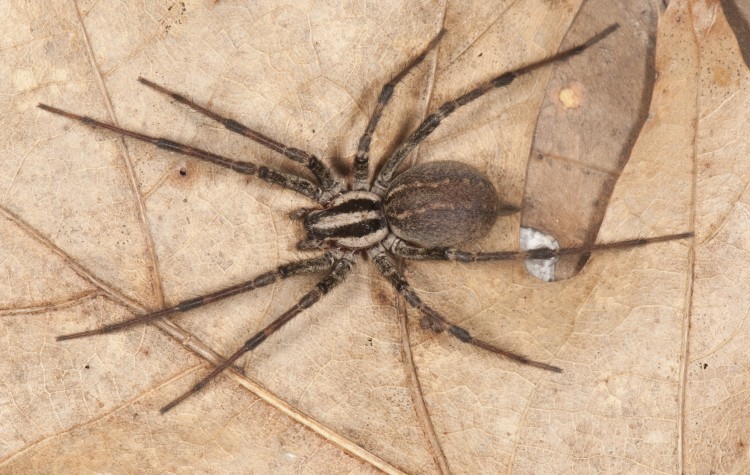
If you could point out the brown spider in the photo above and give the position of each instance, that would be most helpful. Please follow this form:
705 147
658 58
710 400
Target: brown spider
421 213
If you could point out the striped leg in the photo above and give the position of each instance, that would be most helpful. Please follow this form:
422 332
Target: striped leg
433 120
307 266
337 275
408 251
362 159
292 182
432 320
313 163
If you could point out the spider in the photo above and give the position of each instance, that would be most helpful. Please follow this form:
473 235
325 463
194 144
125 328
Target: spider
423 213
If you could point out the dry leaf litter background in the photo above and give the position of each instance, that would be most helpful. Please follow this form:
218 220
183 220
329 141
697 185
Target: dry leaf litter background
94 228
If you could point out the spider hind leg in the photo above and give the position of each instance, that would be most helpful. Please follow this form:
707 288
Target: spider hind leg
432 320
337 274
284 271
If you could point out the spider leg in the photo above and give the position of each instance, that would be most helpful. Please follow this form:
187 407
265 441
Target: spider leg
362 159
307 266
337 275
292 182
433 120
432 320
408 251
313 163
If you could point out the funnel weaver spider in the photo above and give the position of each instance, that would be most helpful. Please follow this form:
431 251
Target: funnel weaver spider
422 213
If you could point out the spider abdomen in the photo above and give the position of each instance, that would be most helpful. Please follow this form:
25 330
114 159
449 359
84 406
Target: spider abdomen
354 220
441 204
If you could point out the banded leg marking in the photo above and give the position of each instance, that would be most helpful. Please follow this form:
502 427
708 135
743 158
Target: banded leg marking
292 182
307 266
432 320
362 159
433 120
313 163
339 271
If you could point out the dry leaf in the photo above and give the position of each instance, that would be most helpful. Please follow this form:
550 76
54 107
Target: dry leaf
591 116
95 228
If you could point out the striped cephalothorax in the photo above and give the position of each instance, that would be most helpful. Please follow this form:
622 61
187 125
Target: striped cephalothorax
354 220
421 213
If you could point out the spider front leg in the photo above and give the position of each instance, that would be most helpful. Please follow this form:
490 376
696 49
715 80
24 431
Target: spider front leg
337 275
432 320
331 186
292 182
362 159
307 266
407 251
429 124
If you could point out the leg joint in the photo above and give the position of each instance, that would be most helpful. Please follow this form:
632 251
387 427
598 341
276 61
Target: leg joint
311 297
235 126
256 340
386 93
461 334
504 80
186 305
167 144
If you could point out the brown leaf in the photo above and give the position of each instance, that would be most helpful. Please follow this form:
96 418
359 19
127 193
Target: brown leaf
96 228
591 116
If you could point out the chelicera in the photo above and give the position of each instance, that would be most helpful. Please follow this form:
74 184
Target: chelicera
424 213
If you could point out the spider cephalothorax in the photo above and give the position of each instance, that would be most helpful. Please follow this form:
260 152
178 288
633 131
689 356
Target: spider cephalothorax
421 213
430 205
354 220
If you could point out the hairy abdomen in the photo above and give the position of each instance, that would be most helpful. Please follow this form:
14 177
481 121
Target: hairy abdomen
440 204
